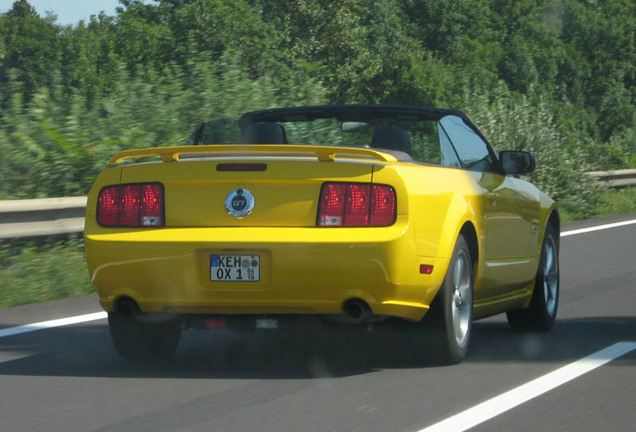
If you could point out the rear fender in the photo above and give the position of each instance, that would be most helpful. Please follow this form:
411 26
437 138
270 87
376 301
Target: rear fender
460 211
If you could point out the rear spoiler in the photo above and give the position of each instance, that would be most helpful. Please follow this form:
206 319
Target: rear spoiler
323 153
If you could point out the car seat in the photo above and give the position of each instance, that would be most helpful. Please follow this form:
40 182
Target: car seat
265 133
392 138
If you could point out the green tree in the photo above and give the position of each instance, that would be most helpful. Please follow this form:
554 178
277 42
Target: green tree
30 48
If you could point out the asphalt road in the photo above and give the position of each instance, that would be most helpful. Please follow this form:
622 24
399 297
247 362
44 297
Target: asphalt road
70 378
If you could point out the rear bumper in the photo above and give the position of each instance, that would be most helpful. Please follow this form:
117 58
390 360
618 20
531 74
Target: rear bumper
303 270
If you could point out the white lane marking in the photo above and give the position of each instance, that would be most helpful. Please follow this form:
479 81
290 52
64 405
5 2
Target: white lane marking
597 228
11 331
517 396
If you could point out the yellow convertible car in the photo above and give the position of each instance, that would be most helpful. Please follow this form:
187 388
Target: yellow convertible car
352 214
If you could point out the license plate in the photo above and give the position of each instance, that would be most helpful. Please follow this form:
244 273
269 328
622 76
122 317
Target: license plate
235 268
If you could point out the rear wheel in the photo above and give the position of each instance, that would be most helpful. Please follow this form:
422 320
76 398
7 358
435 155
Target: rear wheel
541 313
451 315
137 340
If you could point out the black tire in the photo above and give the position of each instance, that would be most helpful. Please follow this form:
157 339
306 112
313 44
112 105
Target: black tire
138 340
541 313
450 319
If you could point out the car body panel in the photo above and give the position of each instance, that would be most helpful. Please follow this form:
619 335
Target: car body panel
308 270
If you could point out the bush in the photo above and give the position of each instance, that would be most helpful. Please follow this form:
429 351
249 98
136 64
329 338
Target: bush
518 122
38 270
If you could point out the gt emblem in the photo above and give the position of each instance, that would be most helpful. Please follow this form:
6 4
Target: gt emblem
239 203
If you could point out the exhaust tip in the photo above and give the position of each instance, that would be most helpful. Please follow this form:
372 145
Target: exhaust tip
127 307
356 309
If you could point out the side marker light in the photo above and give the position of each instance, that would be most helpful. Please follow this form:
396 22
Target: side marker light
426 269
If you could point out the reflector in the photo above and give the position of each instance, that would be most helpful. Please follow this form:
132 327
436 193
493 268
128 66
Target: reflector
426 269
214 323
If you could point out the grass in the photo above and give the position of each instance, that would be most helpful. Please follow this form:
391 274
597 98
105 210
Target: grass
52 268
607 203
617 201
34 271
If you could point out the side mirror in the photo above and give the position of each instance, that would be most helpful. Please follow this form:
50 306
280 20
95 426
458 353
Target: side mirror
355 127
517 162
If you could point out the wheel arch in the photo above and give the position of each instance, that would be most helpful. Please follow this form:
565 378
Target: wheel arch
554 220
470 234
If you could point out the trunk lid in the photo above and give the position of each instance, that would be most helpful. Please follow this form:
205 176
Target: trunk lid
285 184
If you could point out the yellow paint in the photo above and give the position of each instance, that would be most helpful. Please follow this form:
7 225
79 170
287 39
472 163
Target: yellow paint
322 153
304 268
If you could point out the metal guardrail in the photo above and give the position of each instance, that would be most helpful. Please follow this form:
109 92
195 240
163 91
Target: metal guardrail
616 178
40 217
49 216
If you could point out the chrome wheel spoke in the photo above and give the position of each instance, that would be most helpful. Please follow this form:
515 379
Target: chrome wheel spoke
549 260
461 299
457 274
550 277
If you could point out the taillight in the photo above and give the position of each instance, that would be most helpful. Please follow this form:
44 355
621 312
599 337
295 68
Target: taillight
383 205
108 206
131 205
356 204
332 204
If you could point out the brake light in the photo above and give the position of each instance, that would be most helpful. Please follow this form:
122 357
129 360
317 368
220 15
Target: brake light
356 204
383 205
108 205
131 205
332 204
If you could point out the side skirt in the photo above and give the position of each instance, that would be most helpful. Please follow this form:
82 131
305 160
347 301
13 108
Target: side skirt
518 299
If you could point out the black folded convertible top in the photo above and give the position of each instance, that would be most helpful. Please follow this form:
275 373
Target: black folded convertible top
362 113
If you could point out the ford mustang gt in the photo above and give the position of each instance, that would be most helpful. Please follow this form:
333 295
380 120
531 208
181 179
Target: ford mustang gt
348 214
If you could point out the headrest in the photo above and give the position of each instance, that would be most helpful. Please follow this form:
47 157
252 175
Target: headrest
392 139
265 133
